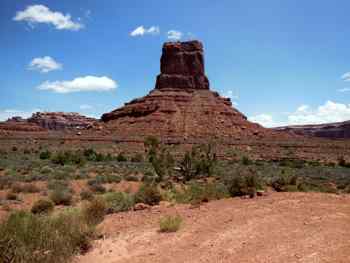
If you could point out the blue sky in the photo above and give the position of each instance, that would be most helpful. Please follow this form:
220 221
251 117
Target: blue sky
282 62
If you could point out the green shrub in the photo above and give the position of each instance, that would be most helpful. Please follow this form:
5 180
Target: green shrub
42 206
148 194
25 237
246 161
118 202
61 196
94 211
196 193
68 157
46 170
45 155
243 182
121 158
86 195
169 224
287 181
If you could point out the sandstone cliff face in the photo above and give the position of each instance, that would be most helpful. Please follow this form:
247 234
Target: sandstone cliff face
42 121
61 120
181 105
339 130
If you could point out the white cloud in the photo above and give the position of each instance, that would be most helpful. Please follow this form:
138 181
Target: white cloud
174 35
80 84
265 120
141 30
44 64
9 113
346 76
326 113
85 107
34 14
329 112
344 90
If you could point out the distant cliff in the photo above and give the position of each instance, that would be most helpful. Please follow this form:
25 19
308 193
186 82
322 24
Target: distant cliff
338 130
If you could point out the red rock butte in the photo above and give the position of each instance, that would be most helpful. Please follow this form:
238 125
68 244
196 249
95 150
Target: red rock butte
181 105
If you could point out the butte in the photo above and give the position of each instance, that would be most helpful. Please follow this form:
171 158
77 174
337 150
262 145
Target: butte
181 106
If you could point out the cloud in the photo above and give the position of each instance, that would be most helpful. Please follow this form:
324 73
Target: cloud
346 76
85 107
265 120
174 35
80 84
34 14
344 90
327 113
9 113
44 64
140 31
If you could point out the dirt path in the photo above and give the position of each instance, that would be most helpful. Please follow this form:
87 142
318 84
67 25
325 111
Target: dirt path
282 227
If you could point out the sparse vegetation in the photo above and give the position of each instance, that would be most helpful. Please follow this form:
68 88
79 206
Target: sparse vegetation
94 211
30 238
118 202
148 194
42 206
169 224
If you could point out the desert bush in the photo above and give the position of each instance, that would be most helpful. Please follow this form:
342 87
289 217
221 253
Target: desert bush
24 188
200 161
242 182
14 148
39 239
11 196
46 170
118 202
342 162
96 186
286 181
107 179
61 196
42 206
121 158
246 160
94 211
196 193
68 157
45 155
170 223
131 178
137 158
148 194
86 195
149 177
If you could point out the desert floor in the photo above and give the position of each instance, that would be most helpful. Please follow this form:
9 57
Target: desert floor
280 227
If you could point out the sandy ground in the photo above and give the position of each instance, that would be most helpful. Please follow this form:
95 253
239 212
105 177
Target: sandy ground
281 227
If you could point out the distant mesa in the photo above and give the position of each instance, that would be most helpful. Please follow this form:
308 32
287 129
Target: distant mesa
181 105
43 121
337 130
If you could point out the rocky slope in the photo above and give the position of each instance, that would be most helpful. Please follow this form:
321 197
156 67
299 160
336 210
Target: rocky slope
338 130
42 121
181 105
